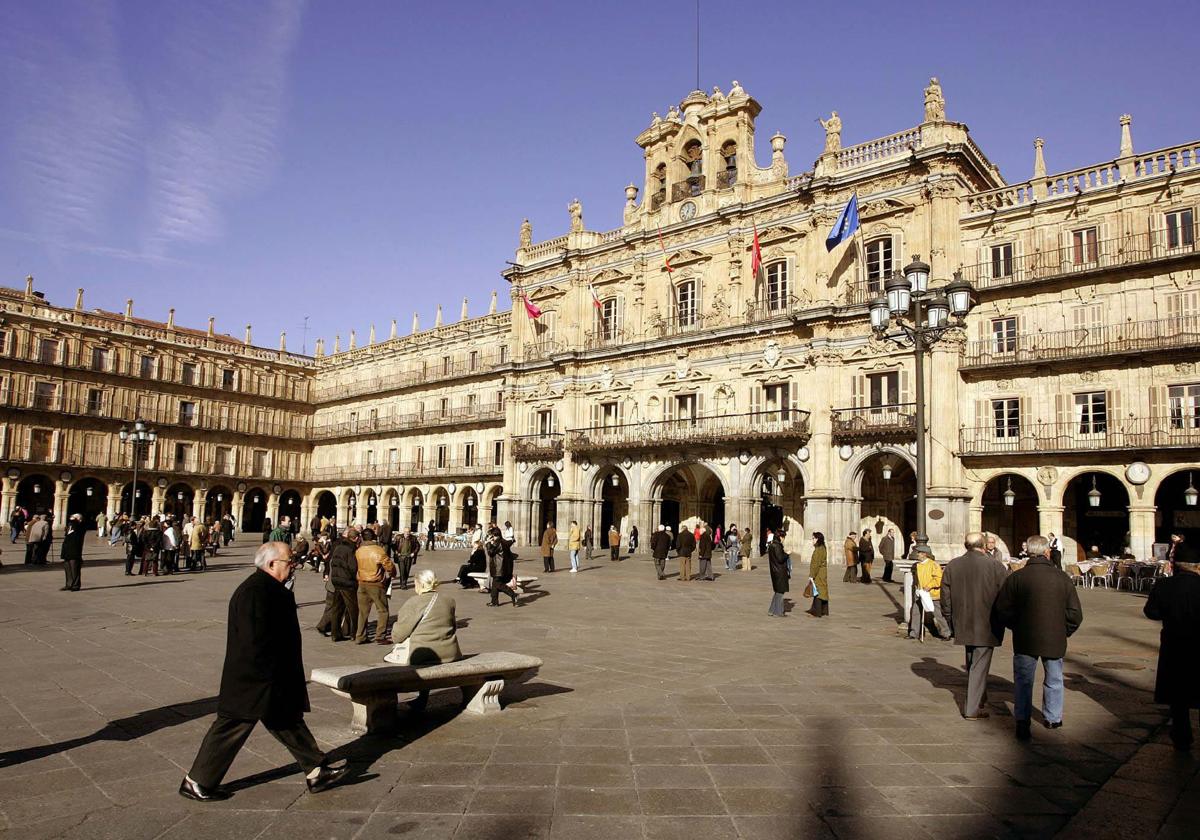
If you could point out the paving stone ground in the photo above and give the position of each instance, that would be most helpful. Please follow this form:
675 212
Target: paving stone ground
664 710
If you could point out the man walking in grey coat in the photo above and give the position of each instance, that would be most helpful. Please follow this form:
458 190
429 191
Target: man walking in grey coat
970 585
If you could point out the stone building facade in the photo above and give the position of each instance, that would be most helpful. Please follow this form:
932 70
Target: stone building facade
666 380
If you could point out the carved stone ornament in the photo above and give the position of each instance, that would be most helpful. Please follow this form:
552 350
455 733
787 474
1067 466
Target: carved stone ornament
772 353
606 377
743 457
1186 367
585 464
1003 384
682 366
1047 475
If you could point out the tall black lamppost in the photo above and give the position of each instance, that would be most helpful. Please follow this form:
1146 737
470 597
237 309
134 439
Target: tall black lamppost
912 313
138 437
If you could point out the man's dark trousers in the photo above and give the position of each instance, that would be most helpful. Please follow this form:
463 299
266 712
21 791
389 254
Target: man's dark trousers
345 609
72 568
227 735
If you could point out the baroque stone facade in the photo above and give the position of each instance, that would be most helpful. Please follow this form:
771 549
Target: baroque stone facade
666 380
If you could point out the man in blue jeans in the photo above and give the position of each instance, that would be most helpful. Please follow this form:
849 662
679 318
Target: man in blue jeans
1041 606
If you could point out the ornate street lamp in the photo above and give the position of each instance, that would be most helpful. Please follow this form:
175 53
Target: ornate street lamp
919 316
1010 498
1190 495
887 471
1094 494
137 437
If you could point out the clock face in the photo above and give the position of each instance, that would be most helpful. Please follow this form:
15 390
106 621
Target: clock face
687 211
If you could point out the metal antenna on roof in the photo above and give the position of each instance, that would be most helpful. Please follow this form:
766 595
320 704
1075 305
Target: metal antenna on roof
697 45
304 339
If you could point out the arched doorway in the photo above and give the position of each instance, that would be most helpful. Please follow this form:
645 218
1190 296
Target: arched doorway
217 503
689 494
372 507
614 503
351 509
416 512
391 504
1096 512
1010 510
177 501
141 499
88 498
470 510
326 504
492 502
781 496
289 506
254 510
1173 515
546 490
35 493
888 498
441 510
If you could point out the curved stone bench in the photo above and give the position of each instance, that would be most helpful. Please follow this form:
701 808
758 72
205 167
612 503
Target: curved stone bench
372 690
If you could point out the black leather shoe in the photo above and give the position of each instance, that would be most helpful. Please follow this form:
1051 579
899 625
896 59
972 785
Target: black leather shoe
1056 725
1023 733
190 790
327 778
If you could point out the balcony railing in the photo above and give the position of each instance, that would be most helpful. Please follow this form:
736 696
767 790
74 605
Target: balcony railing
547 447
1098 255
120 460
715 430
536 351
461 416
1104 340
1139 433
434 372
895 422
604 337
405 471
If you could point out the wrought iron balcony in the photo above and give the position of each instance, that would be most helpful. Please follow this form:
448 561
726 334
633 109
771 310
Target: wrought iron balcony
535 351
548 447
362 426
1139 433
1105 340
432 372
693 186
405 471
604 337
715 430
892 423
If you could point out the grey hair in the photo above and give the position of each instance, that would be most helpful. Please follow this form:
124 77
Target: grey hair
974 539
1037 546
426 580
268 552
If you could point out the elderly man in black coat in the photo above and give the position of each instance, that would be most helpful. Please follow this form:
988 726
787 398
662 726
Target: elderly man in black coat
970 585
263 680
1175 601
72 552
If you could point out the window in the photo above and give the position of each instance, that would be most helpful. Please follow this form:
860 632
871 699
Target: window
883 388
545 422
442 460
223 462
445 365
100 358
504 355
393 458
777 400
1004 335
609 315
227 379
471 403
1181 229
95 401
147 367
1002 260
41 444
260 462
367 458
187 414
879 263
474 360
48 351
419 456
685 303
1091 413
610 414
444 407
777 286
500 400
44 394
183 456
1084 246
686 408
3 341
1185 406
1007 416
498 452
353 420
658 186
373 418
469 455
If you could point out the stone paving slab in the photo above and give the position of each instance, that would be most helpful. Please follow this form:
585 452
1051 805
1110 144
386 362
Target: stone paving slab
663 710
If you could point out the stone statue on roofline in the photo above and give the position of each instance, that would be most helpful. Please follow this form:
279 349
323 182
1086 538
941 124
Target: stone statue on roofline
576 211
526 234
935 103
833 132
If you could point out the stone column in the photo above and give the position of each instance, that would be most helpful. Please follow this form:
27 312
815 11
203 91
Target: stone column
198 500
60 508
235 508
113 506
306 514
343 511
273 508
975 520
1141 530
1050 520
8 499
456 517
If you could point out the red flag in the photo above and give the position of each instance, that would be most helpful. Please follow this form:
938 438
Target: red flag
755 255
595 297
663 245
531 309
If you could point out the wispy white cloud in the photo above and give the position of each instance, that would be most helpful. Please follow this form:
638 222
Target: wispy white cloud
221 141
80 246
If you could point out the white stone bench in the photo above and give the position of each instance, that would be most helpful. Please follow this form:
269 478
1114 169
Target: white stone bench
372 690
485 581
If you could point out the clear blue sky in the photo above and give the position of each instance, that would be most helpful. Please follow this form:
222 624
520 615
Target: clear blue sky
357 161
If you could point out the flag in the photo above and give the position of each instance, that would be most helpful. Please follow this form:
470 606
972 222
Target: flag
663 245
755 254
846 224
595 297
531 309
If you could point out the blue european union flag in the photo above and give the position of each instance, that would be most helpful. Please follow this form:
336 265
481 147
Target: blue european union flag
846 224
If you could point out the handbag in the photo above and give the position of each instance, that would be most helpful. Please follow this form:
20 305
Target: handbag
402 651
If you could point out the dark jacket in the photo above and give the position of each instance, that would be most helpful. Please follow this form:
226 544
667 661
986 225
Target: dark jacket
685 546
970 585
72 544
660 545
263 678
1040 605
777 558
887 549
1175 601
704 548
343 566
866 551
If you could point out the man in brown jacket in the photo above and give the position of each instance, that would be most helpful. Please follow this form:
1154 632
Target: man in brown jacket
375 568
549 541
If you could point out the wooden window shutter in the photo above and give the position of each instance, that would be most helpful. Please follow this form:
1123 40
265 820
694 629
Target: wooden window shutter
1061 410
1158 403
985 262
669 407
700 404
620 411
794 396
532 427
756 398
858 385
1116 416
597 409
1023 419
983 414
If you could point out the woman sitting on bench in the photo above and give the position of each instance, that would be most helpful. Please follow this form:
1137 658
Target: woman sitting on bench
476 563
426 625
